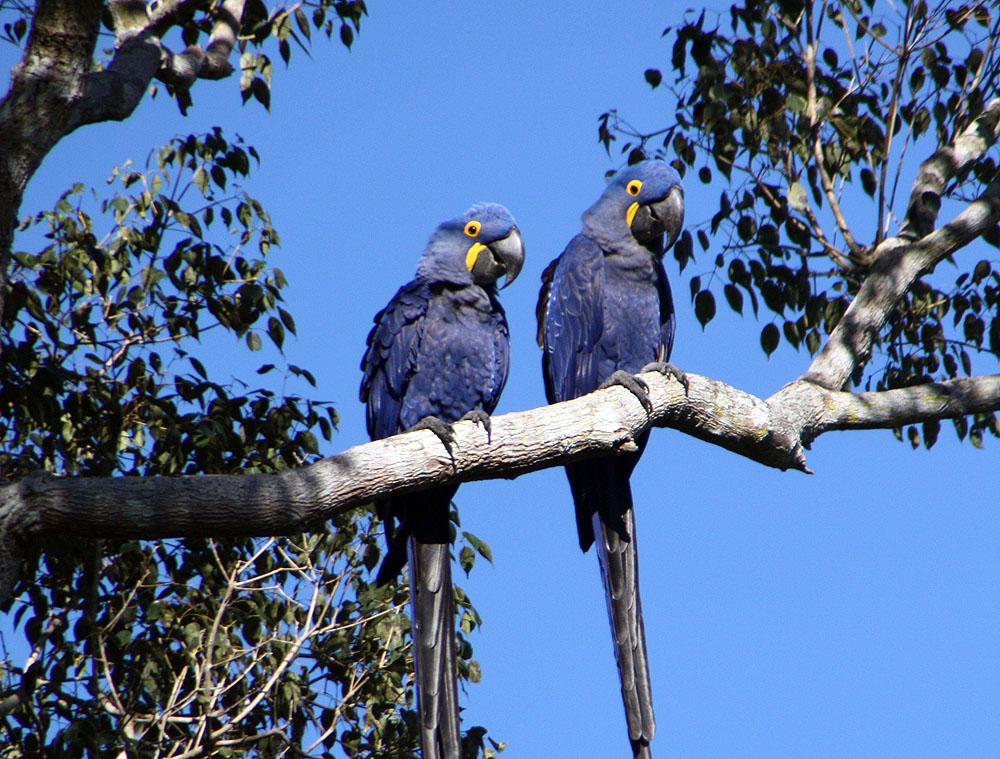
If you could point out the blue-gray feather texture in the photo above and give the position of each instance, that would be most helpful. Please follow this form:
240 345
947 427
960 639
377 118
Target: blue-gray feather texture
605 305
439 348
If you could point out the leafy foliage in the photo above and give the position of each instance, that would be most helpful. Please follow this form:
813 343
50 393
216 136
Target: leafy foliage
808 117
286 25
261 24
95 329
280 647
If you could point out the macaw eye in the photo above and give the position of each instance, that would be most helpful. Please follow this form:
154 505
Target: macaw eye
472 228
633 187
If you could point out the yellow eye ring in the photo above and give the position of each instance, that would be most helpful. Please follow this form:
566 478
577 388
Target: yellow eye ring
633 187
472 228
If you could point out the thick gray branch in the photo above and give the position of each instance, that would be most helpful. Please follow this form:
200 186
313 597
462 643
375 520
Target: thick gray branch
910 405
897 266
113 94
941 168
212 62
898 261
772 432
54 89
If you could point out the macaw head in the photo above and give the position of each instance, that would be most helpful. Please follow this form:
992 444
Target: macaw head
645 200
479 247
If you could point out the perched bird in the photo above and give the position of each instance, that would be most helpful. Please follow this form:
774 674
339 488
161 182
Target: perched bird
439 353
604 314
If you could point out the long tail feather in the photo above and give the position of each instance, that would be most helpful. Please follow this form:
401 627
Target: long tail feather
620 571
435 650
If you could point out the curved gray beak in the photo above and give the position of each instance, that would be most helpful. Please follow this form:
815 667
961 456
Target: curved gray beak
661 217
508 255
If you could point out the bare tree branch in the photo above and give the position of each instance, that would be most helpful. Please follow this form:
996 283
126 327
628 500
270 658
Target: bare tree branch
910 405
811 107
212 62
773 432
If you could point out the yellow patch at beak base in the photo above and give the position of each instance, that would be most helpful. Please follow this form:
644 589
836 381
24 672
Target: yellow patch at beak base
630 214
470 257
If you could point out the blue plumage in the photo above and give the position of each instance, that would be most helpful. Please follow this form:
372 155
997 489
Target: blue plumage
606 307
438 352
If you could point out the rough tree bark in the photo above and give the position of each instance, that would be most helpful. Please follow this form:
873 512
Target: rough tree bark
774 431
53 89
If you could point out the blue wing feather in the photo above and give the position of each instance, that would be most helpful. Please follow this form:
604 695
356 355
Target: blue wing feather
391 358
571 320
668 321
423 360
501 356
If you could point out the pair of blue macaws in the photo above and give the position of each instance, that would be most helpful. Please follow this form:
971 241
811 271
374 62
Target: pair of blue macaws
439 353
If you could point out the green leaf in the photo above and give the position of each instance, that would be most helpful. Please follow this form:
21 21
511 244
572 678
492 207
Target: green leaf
684 249
200 179
812 342
303 23
653 77
769 338
976 437
797 197
746 227
253 341
931 429
466 558
276 331
791 331
961 427
482 548
261 91
982 271
704 307
219 176
287 320
868 182
795 103
734 297
974 329
307 441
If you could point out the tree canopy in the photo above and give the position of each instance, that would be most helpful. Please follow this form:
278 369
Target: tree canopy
808 112
202 646
803 118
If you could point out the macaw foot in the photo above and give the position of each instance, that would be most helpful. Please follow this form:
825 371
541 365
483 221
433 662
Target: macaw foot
440 428
668 370
480 417
633 384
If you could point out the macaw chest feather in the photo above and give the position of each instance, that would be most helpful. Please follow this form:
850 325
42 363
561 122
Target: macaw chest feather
631 311
458 365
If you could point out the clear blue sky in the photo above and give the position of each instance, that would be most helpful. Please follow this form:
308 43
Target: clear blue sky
855 612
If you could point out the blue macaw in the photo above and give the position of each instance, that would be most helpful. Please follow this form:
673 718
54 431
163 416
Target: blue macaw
605 313
439 353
